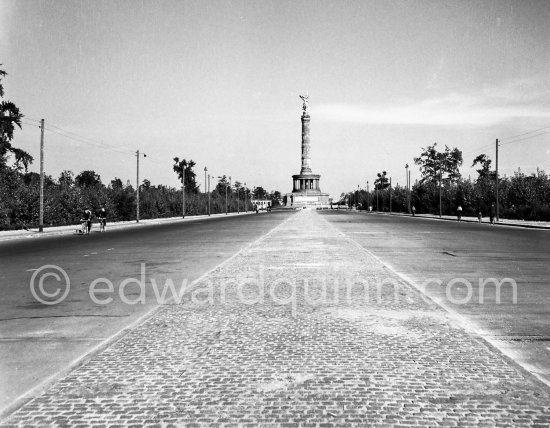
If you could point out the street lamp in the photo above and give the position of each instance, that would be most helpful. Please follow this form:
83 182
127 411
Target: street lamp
238 199
209 195
205 188
137 183
245 202
183 190
440 181
376 187
226 198
407 178
368 196
390 195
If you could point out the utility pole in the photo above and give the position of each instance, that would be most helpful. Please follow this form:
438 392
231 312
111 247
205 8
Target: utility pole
41 217
390 195
205 188
368 196
183 191
137 184
231 194
226 198
208 195
496 177
245 202
238 199
440 184
408 190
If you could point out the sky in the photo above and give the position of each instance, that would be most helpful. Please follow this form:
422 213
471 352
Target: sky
219 82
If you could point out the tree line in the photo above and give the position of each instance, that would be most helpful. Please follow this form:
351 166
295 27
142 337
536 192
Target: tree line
67 196
441 186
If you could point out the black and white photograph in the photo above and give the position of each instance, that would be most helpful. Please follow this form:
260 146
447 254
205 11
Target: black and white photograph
274 213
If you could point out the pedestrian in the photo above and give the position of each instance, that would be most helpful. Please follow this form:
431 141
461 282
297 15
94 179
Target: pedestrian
87 221
492 214
479 216
256 208
413 210
459 213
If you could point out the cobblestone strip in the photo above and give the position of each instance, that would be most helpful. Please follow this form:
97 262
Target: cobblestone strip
300 329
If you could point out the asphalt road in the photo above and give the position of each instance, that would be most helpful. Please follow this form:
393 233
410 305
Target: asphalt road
449 260
38 340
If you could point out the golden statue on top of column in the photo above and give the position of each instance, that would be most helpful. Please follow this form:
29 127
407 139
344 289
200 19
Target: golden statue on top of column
305 99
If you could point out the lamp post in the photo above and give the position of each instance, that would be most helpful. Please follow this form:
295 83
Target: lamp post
238 199
440 183
41 196
205 188
226 198
408 188
183 190
245 202
390 195
376 188
137 183
368 195
208 195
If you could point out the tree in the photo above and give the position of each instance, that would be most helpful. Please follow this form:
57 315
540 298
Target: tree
434 164
183 167
66 178
485 163
116 183
223 182
10 117
87 178
259 193
382 182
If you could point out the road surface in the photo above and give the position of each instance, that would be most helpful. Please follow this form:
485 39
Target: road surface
281 334
448 259
38 340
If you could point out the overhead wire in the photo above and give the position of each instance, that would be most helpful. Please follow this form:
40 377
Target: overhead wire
514 139
28 121
81 139
85 140
517 140
525 133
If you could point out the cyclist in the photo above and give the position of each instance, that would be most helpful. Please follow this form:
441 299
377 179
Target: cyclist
86 222
102 217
